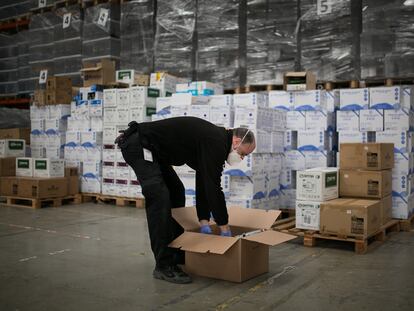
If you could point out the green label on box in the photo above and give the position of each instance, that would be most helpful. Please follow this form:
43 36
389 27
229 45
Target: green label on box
16 145
124 74
40 164
150 111
23 163
153 92
331 179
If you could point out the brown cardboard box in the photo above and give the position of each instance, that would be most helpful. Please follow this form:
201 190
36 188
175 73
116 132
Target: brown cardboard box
369 156
71 173
299 81
9 186
42 188
100 73
40 97
365 184
58 97
386 209
350 217
236 258
59 83
16 133
7 166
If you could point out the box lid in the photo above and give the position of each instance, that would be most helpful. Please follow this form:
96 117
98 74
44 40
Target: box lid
270 237
240 217
203 243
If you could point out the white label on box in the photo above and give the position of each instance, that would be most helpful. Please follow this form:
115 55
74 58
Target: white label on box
66 20
354 99
347 121
103 17
371 120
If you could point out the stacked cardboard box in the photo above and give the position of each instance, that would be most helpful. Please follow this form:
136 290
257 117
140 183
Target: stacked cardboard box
310 139
256 181
365 189
84 138
382 115
313 187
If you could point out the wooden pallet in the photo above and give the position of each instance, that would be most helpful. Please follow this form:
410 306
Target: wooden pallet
386 82
406 224
254 88
361 243
40 203
118 201
330 85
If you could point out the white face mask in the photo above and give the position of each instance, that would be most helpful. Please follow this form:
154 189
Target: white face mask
234 157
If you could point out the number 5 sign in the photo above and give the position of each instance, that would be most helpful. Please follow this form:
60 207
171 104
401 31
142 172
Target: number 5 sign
324 7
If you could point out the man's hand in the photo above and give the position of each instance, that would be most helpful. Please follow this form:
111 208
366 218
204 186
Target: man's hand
205 227
225 230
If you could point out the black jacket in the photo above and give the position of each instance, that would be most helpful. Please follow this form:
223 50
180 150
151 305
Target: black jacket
201 145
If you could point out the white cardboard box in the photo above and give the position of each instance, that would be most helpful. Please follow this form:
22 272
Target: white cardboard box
281 100
54 152
73 138
180 111
252 117
37 125
295 160
320 120
188 99
355 137
24 167
222 115
317 184
110 98
308 215
92 169
287 179
318 159
403 163
108 186
108 169
402 184
386 97
189 183
143 96
91 139
347 121
90 185
354 99
96 124
402 207
122 98
108 153
251 99
309 100
221 100
96 108
296 120
38 152
398 120
402 140
407 97
200 111
371 120
253 187
109 133
332 100
12 148
135 190
53 126
122 171
251 164
313 140
48 168
278 142
122 187
59 111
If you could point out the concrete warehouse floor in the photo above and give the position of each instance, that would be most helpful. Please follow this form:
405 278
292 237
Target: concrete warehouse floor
97 257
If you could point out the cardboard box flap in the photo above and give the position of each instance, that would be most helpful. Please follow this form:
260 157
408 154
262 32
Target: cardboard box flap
203 243
296 74
96 68
270 237
186 217
252 218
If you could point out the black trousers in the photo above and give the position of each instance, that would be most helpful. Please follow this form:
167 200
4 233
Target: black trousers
163 190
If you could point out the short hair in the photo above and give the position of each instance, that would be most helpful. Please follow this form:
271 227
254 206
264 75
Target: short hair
240 132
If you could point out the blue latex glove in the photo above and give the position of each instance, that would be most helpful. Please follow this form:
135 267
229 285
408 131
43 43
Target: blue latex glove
206 229
226 233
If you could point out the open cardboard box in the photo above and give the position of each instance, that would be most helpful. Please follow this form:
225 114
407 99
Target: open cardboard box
238 258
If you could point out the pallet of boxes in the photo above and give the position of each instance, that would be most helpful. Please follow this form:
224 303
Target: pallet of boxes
363 211
39 176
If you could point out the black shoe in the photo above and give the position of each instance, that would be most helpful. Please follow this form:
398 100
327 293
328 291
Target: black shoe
172 274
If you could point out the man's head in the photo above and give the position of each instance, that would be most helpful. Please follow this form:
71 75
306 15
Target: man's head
243 141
